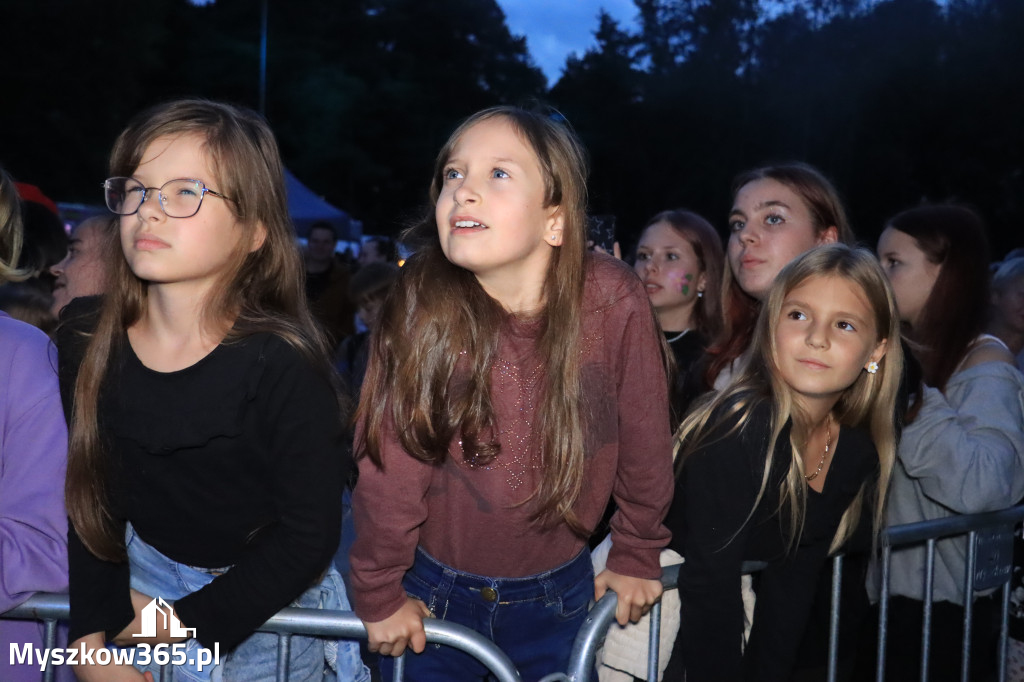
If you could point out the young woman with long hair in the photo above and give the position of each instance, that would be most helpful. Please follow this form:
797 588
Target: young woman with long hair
962 448
516 383
778 213
207 454
781 465
679 259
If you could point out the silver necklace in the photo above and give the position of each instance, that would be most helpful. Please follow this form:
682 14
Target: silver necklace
677 336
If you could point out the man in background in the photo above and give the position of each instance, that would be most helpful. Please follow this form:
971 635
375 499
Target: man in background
327 278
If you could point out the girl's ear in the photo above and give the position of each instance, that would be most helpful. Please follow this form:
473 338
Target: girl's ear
259 235
702 282
555 227
878 353
829 236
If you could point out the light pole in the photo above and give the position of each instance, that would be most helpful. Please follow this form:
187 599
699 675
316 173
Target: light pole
263 60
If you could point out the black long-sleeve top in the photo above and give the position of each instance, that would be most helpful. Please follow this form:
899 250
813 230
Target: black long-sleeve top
238 460
714 495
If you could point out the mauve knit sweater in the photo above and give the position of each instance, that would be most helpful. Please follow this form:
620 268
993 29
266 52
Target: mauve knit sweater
474 518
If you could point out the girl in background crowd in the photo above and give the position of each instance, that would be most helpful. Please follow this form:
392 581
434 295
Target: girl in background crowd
33 454
962 449
778 466
528 382
207 453
1006 320
679 259
778 213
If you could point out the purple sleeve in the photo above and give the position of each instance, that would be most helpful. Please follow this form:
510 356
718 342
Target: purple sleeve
33 459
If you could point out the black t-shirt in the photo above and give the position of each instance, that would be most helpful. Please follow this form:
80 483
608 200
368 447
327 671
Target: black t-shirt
714 530
238 460
687 350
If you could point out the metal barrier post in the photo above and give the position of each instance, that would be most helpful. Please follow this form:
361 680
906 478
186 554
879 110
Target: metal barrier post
284 650
883 610
833 617
654 642
50 641
1004 632
929 593
399 672
965 646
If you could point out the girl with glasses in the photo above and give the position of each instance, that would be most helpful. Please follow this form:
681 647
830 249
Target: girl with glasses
207 452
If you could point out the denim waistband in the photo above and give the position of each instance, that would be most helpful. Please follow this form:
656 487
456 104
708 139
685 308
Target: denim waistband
522 588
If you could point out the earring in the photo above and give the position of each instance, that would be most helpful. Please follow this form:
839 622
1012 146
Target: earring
700 294
872 367
552 237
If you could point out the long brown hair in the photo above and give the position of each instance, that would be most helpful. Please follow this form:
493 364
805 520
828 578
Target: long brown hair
869 402
438 313
953 237
260 291
707 246
739 308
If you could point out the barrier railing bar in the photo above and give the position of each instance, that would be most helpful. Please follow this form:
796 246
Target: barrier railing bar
341 624
883 614
965 644
833 619
321 623
951 525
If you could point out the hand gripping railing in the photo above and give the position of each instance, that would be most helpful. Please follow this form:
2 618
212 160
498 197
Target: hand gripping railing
51 608
592 633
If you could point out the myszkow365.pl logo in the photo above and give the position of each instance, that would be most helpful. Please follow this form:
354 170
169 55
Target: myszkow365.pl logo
141 654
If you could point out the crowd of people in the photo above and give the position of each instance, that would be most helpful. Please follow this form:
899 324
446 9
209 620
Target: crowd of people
219 410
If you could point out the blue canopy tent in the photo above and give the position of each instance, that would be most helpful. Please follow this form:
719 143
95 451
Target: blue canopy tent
307 208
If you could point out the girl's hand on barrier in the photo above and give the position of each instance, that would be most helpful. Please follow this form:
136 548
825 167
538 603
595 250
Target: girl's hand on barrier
403 628
636 595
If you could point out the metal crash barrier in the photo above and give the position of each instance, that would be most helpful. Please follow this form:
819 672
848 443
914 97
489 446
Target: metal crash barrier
51 608
989 565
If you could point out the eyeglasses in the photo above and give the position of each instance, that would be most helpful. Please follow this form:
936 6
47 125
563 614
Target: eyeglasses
178 198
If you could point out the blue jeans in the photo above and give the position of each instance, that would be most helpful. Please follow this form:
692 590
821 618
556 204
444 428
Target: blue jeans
255 659
534 619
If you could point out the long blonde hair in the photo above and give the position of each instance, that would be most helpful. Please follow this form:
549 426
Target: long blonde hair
11 230
438 312
260 291
869 402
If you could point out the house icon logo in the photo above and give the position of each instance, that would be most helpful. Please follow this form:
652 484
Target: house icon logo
149 616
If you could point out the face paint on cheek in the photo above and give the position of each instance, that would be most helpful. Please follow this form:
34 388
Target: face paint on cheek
681 282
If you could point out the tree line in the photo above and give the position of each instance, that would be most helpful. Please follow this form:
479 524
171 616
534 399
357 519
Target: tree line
898 101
